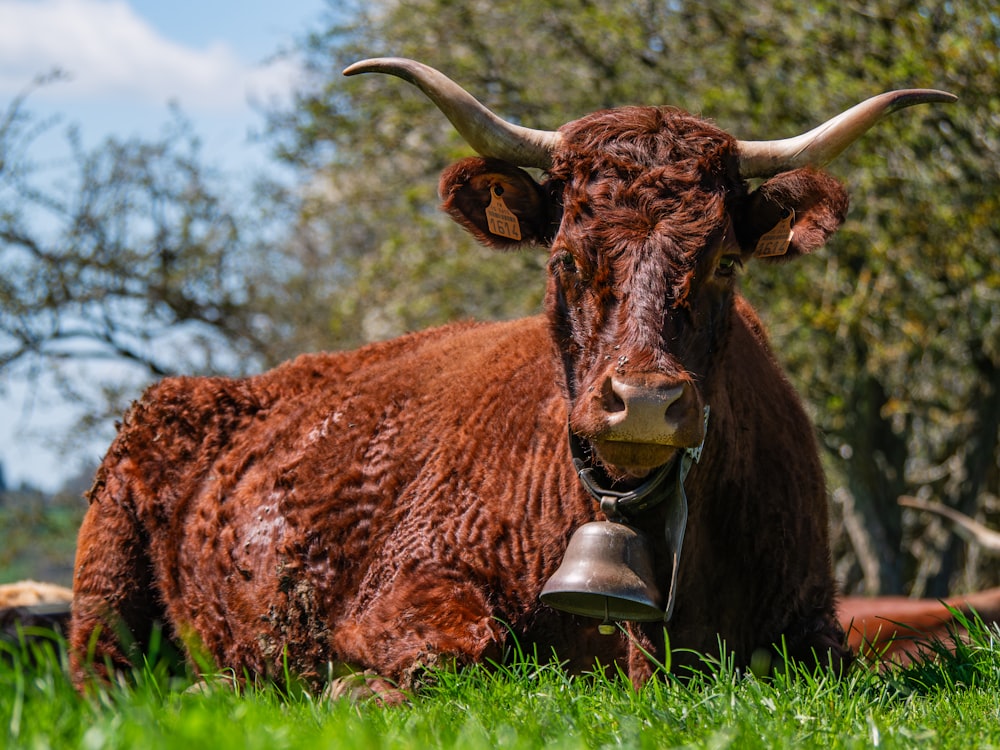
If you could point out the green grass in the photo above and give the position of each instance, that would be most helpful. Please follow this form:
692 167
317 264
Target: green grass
944 702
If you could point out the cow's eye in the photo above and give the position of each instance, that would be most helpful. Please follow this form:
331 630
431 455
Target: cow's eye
564 262
728 265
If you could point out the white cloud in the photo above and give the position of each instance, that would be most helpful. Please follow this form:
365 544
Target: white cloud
111 53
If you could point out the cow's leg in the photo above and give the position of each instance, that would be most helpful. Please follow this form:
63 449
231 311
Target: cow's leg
422 622
114 605
812 636
819 640
646 651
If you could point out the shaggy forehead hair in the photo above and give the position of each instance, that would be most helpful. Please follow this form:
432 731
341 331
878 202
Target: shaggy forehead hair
642 183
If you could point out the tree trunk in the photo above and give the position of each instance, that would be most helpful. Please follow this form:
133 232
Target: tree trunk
980 454
875 481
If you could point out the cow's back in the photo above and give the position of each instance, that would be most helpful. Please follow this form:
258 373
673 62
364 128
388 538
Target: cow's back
280 508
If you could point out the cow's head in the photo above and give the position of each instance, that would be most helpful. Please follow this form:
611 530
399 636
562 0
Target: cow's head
649 220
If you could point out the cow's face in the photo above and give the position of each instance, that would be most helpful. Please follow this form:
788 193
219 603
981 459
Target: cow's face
641 278
649 222
649 225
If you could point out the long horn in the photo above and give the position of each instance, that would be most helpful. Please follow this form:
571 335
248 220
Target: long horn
820 145
967 528
488 134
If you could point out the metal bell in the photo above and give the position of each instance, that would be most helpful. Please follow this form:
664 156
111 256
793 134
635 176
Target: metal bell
607 573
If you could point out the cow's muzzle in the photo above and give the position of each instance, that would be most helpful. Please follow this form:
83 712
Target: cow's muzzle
651 409
638 423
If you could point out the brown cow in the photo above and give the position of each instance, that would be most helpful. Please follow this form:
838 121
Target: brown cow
896 629
402 505
28 593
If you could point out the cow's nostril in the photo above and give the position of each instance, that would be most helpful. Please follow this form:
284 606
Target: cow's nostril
660 398
679 407
611 401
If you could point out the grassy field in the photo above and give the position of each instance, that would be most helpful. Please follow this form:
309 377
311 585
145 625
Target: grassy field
945 702
950 702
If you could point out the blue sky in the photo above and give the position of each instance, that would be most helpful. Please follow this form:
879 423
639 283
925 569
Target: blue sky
127 61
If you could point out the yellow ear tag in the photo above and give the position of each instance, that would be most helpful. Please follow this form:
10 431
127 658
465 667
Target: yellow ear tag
501 220
775 241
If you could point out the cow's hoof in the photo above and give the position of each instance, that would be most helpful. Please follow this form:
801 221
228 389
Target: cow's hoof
362 687
213 684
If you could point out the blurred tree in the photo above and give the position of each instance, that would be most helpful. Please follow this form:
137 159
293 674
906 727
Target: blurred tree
901 344
133 252
72 492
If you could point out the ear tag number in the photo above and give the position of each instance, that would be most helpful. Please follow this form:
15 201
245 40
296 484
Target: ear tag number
775 241
500 219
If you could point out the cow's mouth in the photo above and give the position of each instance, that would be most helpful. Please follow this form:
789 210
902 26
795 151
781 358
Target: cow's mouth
626 464
623 461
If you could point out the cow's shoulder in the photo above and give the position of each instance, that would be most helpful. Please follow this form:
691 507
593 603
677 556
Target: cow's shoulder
173 436
765 423
463 345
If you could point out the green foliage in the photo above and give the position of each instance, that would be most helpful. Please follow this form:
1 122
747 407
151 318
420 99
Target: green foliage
949 703
893 335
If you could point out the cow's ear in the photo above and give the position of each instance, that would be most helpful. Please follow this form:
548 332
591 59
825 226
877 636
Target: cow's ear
792 214
499 203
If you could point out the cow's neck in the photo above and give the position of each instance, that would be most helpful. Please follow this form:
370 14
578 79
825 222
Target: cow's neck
619 505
